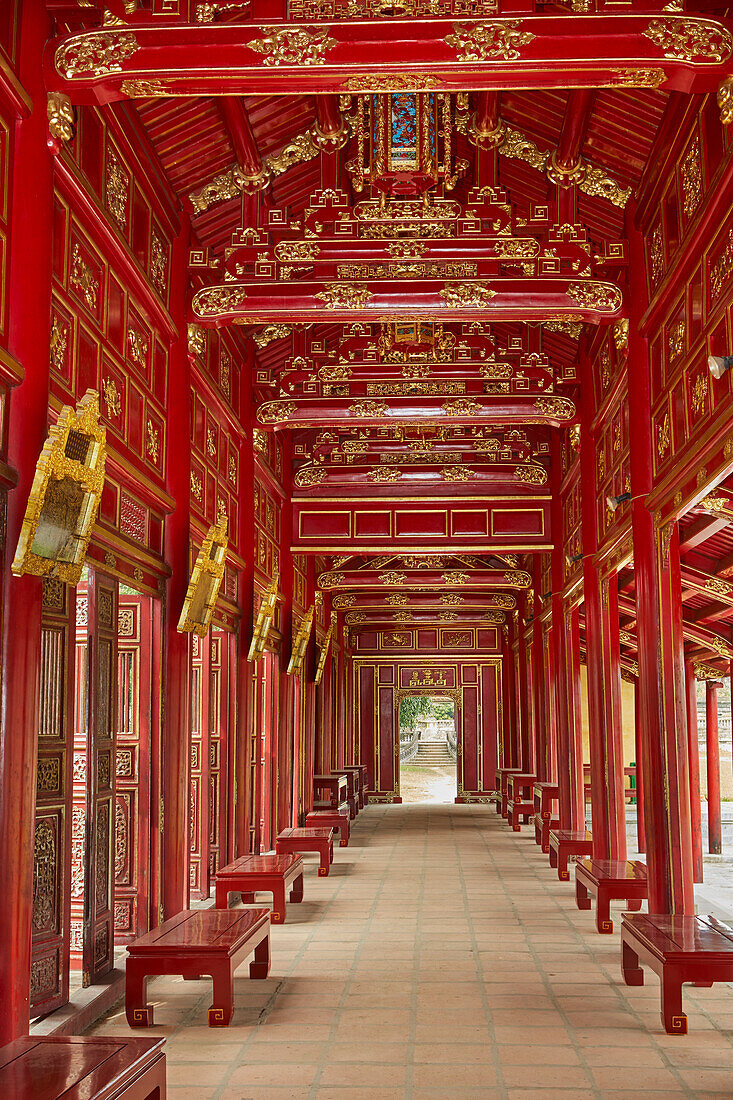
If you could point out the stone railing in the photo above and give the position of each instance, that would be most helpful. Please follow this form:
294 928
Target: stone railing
452 739
409 742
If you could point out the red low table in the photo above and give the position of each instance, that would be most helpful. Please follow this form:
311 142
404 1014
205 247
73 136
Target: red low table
355 770
518 808
566 843
81 1067
545 796
502 785
679 949
194 943
331 819
308 840
336 784
609 879
271 873
518 789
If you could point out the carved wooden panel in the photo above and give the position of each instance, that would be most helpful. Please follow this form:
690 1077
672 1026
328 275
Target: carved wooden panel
267 511
214 466
199 781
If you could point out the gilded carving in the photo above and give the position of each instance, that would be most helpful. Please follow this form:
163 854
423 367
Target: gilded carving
293 45
59 342
489 41
397 600
118 188
138 348
217 300
158 263
691 179
518 147
344 296
309 476
196 340
466 295
331 580
457 473
656 254
451 599
639 78
393 82
701 40
270 333
82 279
61 116
621 334
558 408
355 617
570 328
699 393
342 602
384 473
531 475
462 407
603 297
718 586
275 411
598 184
369 408
725 101
721 270
111 398
152 442
44 876
392 577
455 577
96 54
402 616
143 89
196 486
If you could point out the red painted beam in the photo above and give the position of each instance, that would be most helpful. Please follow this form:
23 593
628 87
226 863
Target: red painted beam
243 137
546 51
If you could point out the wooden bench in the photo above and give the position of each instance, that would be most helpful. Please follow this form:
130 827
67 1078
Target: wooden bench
307 840
356 771
609 879
81 1067
352 794
502 779
565 844
271 873
518 810
336 785
544 796
331 819
196 943
679 949
519 802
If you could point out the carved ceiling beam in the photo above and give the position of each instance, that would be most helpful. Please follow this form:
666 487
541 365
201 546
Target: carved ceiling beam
716 588
700 530
485 412
566 165
395 479
675 50
502 299
391 601
256 175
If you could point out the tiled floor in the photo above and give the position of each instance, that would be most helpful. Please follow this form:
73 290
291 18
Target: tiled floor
441 958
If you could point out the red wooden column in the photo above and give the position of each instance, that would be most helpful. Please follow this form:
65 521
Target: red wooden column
177 652
246 670
693 763
29 303
542 748
664 747
526 761
603 661
576 807
712 743
510 730
640 830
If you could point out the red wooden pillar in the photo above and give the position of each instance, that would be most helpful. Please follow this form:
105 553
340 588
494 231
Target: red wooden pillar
575 818
540 723
640 830
664 747
177 679
510 732
603 661
693 762
525 761
712 743
29 304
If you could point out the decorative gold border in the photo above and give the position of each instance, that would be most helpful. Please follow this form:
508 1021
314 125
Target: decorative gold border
210 563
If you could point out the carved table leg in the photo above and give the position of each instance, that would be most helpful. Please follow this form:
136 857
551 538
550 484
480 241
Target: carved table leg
604 924
582 897
277 916
562 865
344 833
330 850
139 1013
630 969
222 1007
673 1018
552 853
221 897
326 858
296 894
260 965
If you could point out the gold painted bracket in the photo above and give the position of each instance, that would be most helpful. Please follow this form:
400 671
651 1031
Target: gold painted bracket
300 643
206 577
65 495
323 652
264 619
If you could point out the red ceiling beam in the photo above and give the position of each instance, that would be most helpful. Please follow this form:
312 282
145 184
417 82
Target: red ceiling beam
700 530
679 51
578 110
243 138
393 579
501 299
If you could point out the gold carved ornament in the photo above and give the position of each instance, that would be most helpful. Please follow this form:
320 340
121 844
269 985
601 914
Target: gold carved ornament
384 473
300 643
263 622
206 577
61 116
467 295
196 337
275 411
462 407
558 408
458 473
270 333
65 495
531 475
215 301
344 296
323 652
96 54
491 41
331 580
309 476
603 297
393 82
725 101
369 408
293 45
699 40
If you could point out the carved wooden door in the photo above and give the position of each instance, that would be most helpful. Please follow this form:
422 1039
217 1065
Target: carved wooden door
98 937
49 982
199 831
218 747
256 756
133 759
269 745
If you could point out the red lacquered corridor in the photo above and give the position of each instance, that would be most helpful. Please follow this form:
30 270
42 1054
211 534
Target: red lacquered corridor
441 958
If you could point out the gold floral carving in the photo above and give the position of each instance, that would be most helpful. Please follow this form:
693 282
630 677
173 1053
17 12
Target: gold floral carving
275 411
196 340
59 342
393 82
209 10
467 295
206 577
489 41
331 580
455 577
451 599
111 398
392 577
300 149
384 473
603 297
676 340
402 616
516 146
138 347
297 250
157 263
369 408
344 296
725 101
215 301
118 187
699 393
717 586
415 248
95 54
342 602
309 476
570 328
196 486
65 494
464 406
701 40
559 408
691 179
144 89
355 617
707 672
448 617
598 184
152 441
457 473
639 78
270 333
293 45
398 600
61 116
83 280
621 334
656 254
531 475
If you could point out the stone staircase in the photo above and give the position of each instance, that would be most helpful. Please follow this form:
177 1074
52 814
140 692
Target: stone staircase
434 753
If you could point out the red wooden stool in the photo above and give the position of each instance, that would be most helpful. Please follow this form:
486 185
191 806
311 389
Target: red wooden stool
609 879
502 779
678 949
355 770
336 784
94 1067
271 873
331 819
544 795
194 943
308 840
566 843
